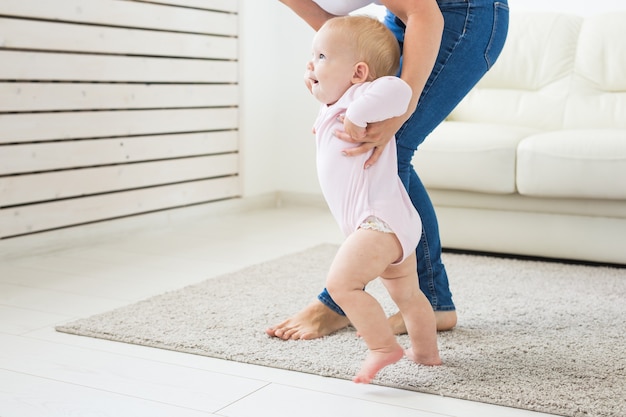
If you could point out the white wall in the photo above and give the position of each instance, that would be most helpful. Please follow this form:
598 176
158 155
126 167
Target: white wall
278 148
277 112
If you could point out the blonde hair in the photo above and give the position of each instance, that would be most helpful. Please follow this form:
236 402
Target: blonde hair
372 41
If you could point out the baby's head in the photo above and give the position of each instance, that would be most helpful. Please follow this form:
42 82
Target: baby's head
371 41
348 50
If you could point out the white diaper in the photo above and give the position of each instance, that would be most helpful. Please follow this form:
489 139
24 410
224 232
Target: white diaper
374 223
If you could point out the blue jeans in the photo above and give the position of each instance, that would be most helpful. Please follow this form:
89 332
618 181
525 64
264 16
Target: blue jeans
473 37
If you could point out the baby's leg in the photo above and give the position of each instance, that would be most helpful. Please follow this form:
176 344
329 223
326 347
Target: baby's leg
402 284
362 258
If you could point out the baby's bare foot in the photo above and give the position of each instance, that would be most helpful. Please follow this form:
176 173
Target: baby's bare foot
429 359
314 321
375 361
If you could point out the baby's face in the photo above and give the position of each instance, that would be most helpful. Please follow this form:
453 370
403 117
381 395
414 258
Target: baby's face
330 70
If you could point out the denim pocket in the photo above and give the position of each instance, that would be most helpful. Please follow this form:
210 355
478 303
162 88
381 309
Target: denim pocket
499 31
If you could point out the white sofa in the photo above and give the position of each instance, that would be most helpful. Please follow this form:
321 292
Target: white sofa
533 161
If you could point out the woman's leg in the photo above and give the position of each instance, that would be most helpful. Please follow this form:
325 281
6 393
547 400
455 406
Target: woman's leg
474 34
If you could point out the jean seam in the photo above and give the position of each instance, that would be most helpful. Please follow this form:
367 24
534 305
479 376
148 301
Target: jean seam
496 14
456 44
429 268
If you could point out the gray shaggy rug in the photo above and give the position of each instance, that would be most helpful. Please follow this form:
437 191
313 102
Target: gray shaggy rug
542 336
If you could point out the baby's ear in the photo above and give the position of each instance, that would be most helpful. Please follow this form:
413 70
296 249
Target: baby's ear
361 73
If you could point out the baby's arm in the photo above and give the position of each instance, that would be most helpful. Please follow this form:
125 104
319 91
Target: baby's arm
381 99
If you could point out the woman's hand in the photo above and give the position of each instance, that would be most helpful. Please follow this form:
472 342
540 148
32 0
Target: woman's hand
374 138
354 132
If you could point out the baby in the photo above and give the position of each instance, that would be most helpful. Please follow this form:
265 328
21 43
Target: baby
351 74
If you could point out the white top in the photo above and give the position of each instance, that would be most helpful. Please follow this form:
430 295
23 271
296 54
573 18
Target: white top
344 7
352 192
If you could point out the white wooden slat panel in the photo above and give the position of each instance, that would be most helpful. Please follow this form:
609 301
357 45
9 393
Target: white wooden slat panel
46 216
27 34
125 14
23 189
26 127
226 5
22 97
45 66
46 156
111 108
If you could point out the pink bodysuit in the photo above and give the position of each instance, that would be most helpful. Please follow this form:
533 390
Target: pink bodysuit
353 193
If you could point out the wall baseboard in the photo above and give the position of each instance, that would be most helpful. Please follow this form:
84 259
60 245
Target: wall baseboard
116 229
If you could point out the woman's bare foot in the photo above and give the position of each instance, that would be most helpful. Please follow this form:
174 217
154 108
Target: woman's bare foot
446 320
429 360
375 361
314 321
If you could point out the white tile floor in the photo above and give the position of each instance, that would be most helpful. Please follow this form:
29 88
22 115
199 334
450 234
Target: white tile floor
47 374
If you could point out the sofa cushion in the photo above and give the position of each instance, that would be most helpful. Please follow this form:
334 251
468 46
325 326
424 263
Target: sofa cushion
598 98
470 157
583 163
601 56
529 83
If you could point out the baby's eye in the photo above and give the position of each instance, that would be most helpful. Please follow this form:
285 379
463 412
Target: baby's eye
321 56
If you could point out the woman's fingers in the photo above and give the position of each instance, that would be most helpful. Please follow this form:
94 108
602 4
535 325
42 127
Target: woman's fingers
345 136
358 150
374 157
364 148
375 147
